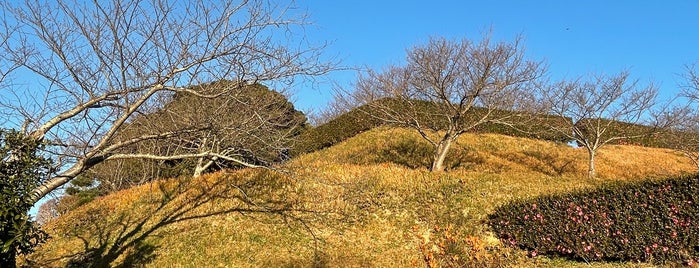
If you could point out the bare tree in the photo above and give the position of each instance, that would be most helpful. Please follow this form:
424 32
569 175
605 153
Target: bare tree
47 211
452 87
602 110
86 69
685 134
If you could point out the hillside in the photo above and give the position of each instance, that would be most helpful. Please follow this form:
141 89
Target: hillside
358 120
367 201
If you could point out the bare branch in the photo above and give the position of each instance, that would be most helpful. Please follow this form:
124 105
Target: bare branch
449 86
182 156
95 67
600 111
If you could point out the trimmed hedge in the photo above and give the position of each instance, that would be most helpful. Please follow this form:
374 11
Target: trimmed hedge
651 221
337 130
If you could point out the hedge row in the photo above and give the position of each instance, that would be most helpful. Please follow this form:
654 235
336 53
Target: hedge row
651 221
339 129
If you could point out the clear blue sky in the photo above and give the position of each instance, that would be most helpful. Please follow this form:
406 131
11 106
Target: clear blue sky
651 39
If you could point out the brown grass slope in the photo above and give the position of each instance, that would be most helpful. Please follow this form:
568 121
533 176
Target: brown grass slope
366 202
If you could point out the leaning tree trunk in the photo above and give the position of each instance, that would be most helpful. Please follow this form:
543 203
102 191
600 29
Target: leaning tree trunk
199 169
441 153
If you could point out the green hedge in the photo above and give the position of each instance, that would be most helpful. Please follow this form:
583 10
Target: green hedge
651 221
339 129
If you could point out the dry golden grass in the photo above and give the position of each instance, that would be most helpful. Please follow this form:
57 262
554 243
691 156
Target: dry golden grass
367 202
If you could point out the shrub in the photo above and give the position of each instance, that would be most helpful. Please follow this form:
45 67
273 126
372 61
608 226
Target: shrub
22 169
359 120
653 221
532 126
339 129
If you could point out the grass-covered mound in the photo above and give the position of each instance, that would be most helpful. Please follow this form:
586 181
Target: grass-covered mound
655 220
359 120
493 153
350 205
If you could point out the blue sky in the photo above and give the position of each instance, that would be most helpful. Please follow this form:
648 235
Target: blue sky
651 39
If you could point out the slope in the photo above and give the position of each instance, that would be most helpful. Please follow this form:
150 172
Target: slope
368 201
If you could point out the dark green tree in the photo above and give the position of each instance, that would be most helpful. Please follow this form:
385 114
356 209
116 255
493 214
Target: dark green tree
22 169
255 125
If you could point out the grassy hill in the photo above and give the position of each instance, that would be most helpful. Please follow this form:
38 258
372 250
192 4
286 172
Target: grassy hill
365 202
359 120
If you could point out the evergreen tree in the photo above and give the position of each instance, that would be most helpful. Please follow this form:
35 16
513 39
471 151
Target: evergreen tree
22 169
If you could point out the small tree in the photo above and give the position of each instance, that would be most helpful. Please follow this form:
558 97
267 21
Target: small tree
686 133
600 111
21 170
450 87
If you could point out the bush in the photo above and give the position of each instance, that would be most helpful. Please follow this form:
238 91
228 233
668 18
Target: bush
652 221
359 120
337 130
22 169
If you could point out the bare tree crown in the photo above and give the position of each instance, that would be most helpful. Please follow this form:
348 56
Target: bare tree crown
452 86
599 110
94 65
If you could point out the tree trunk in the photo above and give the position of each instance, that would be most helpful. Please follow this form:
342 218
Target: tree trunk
441 153
199 169
591 164
201 166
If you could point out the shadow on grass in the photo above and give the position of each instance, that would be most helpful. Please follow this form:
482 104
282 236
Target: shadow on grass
129 237
551 163
418 154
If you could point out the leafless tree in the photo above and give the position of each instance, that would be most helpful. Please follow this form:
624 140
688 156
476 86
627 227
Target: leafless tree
87 69
48 211
685 134
599 111
449 87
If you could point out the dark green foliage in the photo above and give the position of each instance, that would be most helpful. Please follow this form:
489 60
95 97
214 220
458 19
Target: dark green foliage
339 129
252 123
84 189
641 135
21 170
359 120
654 220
